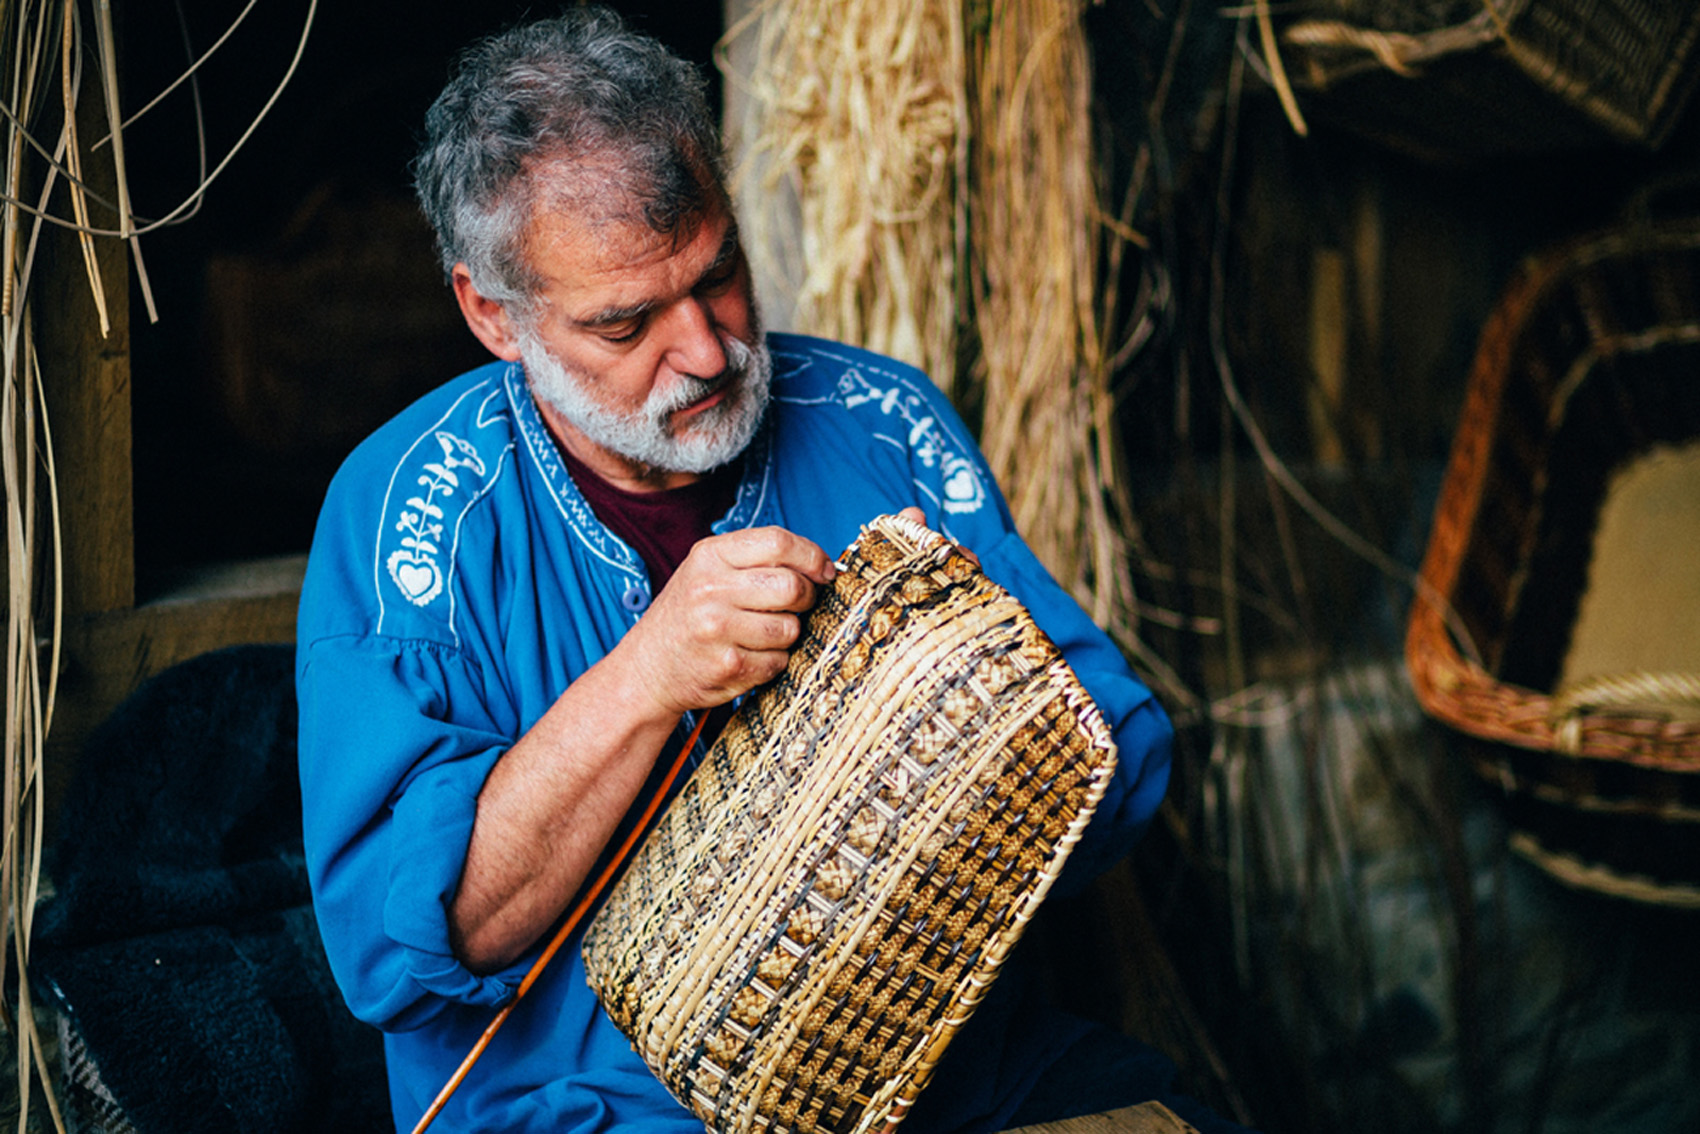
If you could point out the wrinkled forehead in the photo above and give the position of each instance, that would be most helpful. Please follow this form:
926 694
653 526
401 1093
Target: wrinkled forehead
610 189
592 261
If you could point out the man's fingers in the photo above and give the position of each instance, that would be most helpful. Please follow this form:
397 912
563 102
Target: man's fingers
738 670
755 589
776 589
758 632
775 547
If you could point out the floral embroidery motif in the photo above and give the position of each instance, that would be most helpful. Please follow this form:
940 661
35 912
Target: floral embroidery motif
926 440
414 565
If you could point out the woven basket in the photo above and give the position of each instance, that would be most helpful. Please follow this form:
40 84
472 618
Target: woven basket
1487 76
831 894
1591 360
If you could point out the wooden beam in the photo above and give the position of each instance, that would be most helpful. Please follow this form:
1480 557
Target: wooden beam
86 378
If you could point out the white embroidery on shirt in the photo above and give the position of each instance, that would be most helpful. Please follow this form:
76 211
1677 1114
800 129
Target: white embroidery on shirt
414 566
964 488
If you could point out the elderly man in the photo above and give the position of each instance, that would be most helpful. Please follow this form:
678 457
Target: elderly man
525 589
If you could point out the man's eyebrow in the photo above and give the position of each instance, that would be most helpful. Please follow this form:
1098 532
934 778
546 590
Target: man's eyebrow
609 316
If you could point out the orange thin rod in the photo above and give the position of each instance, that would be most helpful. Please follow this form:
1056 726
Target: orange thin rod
585 900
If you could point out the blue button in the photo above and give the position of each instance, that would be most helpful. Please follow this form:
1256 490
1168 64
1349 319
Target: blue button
635 598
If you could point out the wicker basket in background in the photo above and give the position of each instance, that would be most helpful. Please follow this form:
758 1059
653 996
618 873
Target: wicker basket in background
831 894
1477 77
1591 359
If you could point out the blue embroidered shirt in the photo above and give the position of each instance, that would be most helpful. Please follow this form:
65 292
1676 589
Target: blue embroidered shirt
458 582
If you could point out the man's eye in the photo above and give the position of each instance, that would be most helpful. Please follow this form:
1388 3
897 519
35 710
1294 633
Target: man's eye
624 336
719 280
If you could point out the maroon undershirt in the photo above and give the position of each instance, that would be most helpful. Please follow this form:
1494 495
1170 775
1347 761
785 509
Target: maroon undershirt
661 526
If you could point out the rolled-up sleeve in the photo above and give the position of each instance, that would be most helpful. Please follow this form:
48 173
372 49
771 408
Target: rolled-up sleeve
396 741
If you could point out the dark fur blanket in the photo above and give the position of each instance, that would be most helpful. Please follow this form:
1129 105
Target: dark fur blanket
180 946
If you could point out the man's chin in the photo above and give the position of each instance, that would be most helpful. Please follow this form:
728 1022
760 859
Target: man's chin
700 455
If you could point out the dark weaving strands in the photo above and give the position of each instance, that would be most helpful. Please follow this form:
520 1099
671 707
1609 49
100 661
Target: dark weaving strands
834 890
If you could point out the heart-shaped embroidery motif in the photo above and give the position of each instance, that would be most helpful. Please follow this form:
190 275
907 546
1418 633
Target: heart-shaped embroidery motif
962 490
420 581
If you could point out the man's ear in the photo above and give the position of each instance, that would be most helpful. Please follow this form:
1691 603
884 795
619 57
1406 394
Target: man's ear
487 318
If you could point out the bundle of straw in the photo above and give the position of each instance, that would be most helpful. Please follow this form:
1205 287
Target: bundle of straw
859 112
48 122
941 156
1038 236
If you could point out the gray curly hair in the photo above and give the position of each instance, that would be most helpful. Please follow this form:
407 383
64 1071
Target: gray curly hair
622 125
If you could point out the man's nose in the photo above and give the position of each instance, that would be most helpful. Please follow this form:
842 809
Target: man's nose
695 347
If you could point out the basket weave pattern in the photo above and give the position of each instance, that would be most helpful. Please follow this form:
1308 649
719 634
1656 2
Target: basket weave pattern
831 894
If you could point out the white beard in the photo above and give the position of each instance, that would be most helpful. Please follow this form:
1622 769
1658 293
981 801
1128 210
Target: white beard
712 437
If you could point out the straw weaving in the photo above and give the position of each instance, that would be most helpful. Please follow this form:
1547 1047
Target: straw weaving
833 891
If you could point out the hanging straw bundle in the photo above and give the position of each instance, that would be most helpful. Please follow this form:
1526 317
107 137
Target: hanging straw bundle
48 122
34 43
905 131
1040 241
857 108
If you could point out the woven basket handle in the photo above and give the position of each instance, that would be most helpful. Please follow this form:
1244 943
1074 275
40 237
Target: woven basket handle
1643 693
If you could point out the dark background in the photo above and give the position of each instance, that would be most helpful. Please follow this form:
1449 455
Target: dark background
303 305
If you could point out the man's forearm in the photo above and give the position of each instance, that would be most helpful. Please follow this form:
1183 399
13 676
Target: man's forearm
724 624
546 811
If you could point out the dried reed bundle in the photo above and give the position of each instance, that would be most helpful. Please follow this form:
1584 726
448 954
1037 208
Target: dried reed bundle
40 35
1041 246
34 45
857 108
862 111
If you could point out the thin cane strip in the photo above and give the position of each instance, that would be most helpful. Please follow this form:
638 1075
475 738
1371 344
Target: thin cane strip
30 549
20 101
69 75
126 219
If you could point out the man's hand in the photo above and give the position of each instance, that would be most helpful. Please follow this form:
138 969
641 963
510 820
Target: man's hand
724 624
727 619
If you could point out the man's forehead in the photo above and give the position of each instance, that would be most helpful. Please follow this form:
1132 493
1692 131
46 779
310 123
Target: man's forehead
597 270
566 237
604 191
